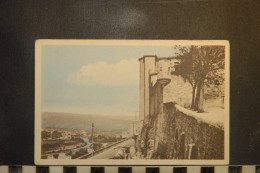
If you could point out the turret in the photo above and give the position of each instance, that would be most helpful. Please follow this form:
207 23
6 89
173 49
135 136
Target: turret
164 71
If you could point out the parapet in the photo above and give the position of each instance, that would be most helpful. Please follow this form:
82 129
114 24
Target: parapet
148 56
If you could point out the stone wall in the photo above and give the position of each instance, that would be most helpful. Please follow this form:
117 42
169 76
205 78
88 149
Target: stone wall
179 91
201 140
181 136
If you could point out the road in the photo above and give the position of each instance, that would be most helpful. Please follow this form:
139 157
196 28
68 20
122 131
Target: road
110 152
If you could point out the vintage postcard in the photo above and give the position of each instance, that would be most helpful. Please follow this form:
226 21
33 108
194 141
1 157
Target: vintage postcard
132 102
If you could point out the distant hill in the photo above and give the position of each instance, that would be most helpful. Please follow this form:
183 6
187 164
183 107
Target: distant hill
76 121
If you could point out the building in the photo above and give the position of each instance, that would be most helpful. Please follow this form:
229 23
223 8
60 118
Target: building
134 129
168 129
155 75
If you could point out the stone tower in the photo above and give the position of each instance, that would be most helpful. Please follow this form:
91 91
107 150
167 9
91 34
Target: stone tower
155 73
147 67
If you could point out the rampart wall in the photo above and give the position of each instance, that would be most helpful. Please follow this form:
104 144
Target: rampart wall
179 91
182 136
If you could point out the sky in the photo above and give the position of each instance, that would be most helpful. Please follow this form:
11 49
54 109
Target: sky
94 79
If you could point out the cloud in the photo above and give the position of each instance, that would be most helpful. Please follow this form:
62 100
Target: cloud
123 72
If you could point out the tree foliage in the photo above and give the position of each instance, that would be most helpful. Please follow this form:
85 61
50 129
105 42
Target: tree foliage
200 65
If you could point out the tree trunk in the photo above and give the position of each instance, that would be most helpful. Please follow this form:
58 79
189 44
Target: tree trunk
199 101
197 98
193 97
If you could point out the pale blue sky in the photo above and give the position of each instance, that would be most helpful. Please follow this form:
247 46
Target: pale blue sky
65 89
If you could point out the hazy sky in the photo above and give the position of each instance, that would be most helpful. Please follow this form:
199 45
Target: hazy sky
94 79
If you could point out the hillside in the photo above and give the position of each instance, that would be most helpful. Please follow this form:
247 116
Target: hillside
76 121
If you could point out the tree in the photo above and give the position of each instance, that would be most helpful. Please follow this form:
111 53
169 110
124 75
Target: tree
187 68
211 60
199 65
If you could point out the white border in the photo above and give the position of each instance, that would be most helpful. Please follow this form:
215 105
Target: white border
38 84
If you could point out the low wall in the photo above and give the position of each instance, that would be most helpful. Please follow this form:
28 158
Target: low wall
177 134
192 137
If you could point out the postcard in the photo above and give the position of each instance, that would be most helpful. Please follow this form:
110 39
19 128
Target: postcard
132 102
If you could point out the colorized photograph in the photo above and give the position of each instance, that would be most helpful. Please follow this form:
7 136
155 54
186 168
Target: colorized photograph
132 102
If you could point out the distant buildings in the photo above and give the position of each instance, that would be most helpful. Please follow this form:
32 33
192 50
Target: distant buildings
65 134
